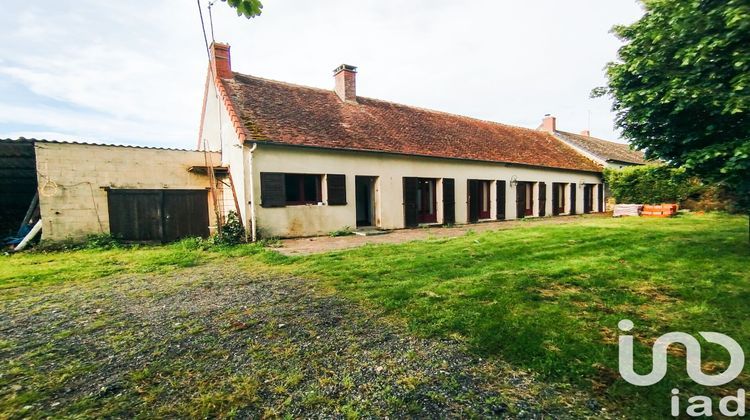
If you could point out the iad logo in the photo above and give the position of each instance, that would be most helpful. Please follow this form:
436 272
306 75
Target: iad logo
701 406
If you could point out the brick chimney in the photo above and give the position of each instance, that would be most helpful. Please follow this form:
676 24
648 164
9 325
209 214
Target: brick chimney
221 60
549 124
346 82
586 133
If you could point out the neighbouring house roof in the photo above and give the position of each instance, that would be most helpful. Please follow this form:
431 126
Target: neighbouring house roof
288 114
603 149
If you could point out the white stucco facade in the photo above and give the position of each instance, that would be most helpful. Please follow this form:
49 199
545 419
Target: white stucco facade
389 171
218 134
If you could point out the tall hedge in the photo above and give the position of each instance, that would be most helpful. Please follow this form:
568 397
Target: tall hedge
651 184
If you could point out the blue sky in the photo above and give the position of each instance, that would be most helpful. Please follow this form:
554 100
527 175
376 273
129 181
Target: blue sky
133 72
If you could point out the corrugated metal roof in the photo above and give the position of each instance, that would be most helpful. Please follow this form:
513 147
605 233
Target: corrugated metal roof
32 140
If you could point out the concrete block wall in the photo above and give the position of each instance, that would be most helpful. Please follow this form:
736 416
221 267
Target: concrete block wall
73 178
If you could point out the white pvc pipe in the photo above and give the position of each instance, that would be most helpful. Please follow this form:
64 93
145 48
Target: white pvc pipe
29 236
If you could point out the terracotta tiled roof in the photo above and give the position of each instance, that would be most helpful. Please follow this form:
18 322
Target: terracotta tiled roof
296 115
606 150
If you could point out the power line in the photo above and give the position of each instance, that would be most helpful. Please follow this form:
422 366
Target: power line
203 28
208 161
211 19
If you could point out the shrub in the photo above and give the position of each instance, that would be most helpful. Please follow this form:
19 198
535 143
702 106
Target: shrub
232 232
346 231
651 185
94 241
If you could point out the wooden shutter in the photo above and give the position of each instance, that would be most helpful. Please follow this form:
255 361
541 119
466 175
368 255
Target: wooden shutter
587 199
555 199
573 188
520 200
500 200
336 189
542 199
272 189
410 202
449 201
473 199
600 187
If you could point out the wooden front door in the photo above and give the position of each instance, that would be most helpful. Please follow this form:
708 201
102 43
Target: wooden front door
479 200
588 198
524 199
529 202
426 200
484 199
558 198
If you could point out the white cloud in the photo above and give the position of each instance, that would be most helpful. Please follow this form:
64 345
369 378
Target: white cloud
134 71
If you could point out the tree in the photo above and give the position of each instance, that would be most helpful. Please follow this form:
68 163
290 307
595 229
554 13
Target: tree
248 8
681 88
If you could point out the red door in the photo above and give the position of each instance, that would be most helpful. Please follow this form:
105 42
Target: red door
484 199
426 201
529 209
560 198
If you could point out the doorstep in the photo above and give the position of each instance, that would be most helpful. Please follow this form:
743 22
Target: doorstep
370 231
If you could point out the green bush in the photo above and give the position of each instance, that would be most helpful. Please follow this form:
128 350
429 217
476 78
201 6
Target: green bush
651 184
93 241
346 231
232 232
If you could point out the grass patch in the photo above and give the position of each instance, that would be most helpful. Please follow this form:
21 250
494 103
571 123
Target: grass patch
544 297
38 269
548 297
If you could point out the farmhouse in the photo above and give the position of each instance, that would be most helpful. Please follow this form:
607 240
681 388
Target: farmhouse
299 161
312 161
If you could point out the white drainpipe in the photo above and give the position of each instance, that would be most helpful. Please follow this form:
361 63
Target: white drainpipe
254 231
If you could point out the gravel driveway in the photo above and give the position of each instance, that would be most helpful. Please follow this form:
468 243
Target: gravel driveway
219 340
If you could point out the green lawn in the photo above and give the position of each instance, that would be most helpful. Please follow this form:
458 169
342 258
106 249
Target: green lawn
548 298
545 297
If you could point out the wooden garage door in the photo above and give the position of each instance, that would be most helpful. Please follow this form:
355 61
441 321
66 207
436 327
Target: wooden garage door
158 215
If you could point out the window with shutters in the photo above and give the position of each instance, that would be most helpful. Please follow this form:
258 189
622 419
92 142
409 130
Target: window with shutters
302 189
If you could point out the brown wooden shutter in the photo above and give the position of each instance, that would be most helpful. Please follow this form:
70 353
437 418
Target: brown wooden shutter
587 199
601 197
542 199
272 189
500 200
520 200
555 199
573 188
473 200
410 202
449 201
336 189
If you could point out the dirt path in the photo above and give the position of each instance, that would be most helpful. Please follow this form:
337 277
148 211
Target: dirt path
303 246
217 341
